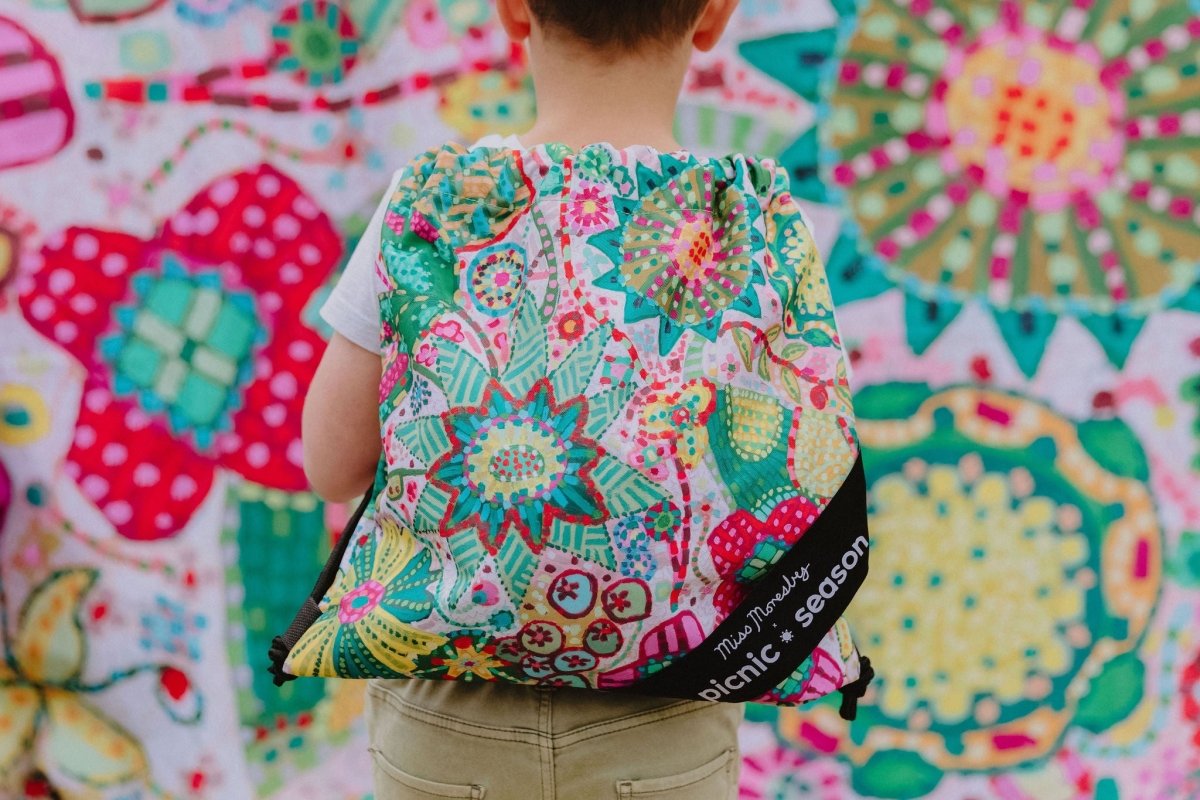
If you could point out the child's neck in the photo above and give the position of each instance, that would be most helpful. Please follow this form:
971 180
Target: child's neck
582 100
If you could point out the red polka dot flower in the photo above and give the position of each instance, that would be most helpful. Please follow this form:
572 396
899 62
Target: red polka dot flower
194 353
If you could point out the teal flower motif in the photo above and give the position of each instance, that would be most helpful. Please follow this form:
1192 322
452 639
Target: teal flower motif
515 464
519 464
594 163
684 253
316 41
184 348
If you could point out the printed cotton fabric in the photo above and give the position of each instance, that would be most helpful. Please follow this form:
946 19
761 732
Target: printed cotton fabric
614 395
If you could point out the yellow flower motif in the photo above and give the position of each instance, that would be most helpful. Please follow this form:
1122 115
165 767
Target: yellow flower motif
478 103
41 702
682 416
467 656
1001 600
821 452
365 624
472 661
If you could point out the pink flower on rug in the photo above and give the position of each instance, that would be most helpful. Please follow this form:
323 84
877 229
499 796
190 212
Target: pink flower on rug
36 117
192 344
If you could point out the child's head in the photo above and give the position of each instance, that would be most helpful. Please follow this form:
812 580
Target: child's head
615 28
611 70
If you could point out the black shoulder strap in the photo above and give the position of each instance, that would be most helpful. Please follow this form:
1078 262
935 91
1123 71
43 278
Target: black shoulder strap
282 645
756 648
785 615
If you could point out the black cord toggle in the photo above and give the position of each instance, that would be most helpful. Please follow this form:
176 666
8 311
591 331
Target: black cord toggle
853 692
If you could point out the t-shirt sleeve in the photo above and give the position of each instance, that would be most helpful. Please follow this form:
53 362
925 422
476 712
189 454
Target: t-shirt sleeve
353 307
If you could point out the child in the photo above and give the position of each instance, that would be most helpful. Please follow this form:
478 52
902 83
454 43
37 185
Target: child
526 280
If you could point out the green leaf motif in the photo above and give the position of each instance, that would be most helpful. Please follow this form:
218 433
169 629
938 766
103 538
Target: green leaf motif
792 385
896 775
624 489
517 563
745 346
425 437
1115 447
51 644
430 510
463 378
86 744
817 337
586 541
468 553
793 351
528 356
1114 694
764 365
890 401
573 375
605 407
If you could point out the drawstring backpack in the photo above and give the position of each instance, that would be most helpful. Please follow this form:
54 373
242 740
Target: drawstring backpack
618 444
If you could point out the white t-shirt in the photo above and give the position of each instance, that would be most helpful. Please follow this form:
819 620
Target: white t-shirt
353 306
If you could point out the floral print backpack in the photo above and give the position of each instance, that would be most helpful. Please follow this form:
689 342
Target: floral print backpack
618 444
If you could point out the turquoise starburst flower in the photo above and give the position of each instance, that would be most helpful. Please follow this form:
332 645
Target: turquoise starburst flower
518 464
684 253
515 460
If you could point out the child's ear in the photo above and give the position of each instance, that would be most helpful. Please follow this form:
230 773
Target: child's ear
515 17
712 22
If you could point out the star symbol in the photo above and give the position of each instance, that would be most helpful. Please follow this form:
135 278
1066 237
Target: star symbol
785 637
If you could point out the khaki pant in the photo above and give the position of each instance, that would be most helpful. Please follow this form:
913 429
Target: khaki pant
434 740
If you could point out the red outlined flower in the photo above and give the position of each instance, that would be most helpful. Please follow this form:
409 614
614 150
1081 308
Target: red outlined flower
743 547
427 355
194 352
450 330
590 209
1189 690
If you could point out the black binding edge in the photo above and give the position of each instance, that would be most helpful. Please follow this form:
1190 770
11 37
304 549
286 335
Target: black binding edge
310 610
832 536
784 617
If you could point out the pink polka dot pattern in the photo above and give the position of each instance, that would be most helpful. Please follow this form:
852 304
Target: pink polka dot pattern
125 446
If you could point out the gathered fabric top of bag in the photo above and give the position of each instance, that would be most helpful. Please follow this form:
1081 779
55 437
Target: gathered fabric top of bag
613 397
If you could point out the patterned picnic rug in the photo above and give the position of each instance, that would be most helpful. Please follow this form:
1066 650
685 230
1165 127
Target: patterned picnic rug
1007 195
